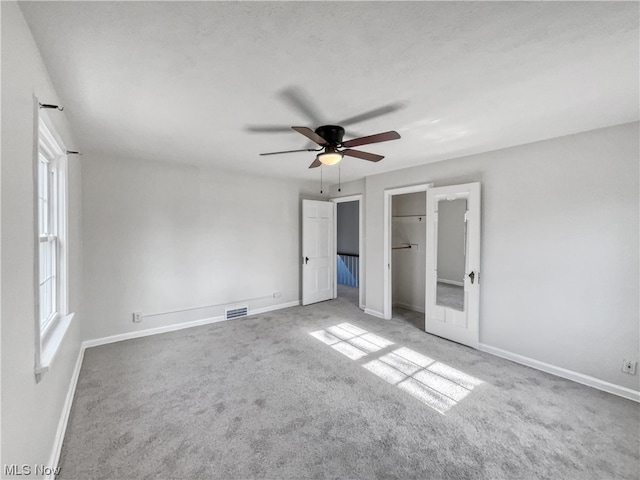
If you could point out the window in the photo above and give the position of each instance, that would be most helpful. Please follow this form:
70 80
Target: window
53 317
48 238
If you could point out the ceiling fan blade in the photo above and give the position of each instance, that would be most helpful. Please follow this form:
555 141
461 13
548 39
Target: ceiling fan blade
316 163
372 157
291 151
310 134
267 129
380 137
296 98
372 114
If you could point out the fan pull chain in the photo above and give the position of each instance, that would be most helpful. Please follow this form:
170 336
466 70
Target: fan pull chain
320 178
339 178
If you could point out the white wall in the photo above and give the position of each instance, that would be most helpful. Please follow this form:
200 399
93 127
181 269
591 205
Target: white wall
559 247
409 204
408 265
161 237
30 410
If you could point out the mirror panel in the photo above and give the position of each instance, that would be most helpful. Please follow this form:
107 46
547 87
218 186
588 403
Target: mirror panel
451 255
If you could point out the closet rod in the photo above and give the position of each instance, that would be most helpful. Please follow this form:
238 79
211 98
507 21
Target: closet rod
400 248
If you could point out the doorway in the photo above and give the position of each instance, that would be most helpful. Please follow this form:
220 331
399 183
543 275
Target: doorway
404 253
349 248
408 260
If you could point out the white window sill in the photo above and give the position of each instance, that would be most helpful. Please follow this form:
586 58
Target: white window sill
52 342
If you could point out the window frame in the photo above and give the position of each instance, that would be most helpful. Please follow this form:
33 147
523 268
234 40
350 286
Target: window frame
48 237
51 211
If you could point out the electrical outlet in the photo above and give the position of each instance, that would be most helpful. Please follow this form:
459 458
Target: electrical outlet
137 317
629 366
276 295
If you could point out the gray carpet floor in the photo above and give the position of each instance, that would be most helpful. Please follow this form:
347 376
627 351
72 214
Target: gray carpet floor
349 294
326 391
410 316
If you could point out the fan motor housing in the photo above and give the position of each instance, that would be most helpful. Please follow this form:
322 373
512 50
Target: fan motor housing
331 133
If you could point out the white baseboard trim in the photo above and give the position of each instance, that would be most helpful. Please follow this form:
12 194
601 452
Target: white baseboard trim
280 306
150 331
451 282
564 373
414 308
178 326
374 313
64 415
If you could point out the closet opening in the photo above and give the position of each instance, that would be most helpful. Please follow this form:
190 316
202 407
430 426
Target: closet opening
408 260
404 250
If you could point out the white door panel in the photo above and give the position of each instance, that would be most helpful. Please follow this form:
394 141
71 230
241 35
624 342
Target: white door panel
318 263
453 263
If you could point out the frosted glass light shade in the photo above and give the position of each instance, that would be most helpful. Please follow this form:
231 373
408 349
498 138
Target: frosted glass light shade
330 158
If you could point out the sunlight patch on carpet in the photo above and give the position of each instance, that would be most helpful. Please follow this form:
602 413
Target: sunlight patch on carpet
351 341
433 383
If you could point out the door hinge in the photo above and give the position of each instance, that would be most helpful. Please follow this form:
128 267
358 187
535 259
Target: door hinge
466 216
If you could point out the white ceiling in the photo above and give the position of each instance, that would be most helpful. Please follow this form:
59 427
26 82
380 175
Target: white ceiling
182 82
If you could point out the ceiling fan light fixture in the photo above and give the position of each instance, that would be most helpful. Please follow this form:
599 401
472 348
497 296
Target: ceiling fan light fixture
329 157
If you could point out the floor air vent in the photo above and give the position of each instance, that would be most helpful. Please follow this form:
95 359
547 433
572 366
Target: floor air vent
230 313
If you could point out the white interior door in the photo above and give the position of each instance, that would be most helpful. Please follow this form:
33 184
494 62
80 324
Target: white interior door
453 263
318 262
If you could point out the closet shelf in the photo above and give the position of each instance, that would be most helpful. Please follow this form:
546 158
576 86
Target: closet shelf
405 245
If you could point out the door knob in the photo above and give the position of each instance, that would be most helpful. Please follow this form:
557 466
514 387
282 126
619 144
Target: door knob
306 260
472 276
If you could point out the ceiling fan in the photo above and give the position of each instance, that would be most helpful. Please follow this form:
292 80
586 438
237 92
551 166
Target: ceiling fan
329 137
333 148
